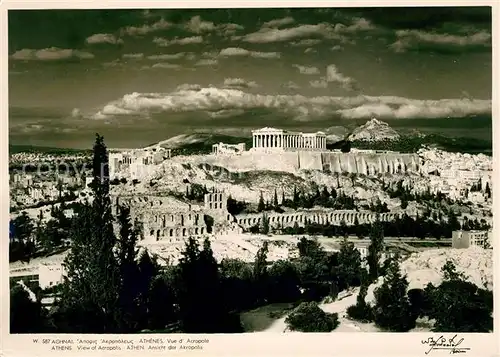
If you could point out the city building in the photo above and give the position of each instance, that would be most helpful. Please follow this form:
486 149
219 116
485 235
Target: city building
466 239
282 140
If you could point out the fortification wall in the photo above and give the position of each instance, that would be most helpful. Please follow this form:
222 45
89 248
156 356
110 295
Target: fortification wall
310 160
369 163
253 161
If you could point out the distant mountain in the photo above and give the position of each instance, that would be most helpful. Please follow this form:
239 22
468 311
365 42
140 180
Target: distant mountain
372 131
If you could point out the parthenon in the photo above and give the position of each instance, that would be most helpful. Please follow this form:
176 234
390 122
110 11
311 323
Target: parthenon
278 139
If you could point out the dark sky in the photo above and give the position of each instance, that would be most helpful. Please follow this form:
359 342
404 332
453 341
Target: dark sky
140 76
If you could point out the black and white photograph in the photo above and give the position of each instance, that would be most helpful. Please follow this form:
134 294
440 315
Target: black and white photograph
251 170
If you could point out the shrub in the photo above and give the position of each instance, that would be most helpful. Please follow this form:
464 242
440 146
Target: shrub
308 317
362 311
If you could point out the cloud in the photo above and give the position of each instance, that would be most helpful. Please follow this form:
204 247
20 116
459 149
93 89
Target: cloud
290 85
237 51
166 65
409 39
306 42
326 30
279 22
103 38
336 48
133 55
50 54
163 42
310 50
297 107
239 83
206 62
146 29
188 86
320 83
306 70
333 75
167 56
76 113
199 26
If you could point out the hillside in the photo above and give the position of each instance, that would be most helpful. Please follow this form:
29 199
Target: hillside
421 268
374 130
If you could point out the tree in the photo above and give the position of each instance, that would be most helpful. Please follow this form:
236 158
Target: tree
375 249
265 224
362 311
275 199
348 270
392 310
261 206
283 282
92 282
260 273
25 314
309 317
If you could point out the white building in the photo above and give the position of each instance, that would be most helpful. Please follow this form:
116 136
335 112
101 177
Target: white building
469 175
137 162
222 148
282 140
466 239
50 275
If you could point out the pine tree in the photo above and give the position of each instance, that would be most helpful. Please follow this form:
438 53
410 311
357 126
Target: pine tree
392 310
260 273
283 200
275 199
349 267
375 249
261 206
92 282
265 224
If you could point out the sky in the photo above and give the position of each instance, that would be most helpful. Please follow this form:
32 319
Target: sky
141 76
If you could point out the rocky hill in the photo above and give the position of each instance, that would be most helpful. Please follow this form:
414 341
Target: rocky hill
374 130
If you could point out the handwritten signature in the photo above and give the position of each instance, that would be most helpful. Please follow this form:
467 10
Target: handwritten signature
443 343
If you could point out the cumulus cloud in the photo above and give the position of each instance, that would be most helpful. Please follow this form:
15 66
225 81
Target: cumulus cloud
166 65
239 83
333 75
336 48
298 107
146 29
237 51
197 25
306 70
319 83
163 42
408 39
290 85
133 55
50 54
103 38
326 30
206 62
188 86
306 42
279 22
167 56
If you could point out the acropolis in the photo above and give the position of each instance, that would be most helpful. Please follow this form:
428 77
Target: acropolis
279 139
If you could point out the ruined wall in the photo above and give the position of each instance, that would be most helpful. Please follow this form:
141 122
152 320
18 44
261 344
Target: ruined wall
334 217
290 161
310 160
369 163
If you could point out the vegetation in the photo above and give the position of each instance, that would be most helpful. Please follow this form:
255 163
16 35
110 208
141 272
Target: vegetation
125 292
308 317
